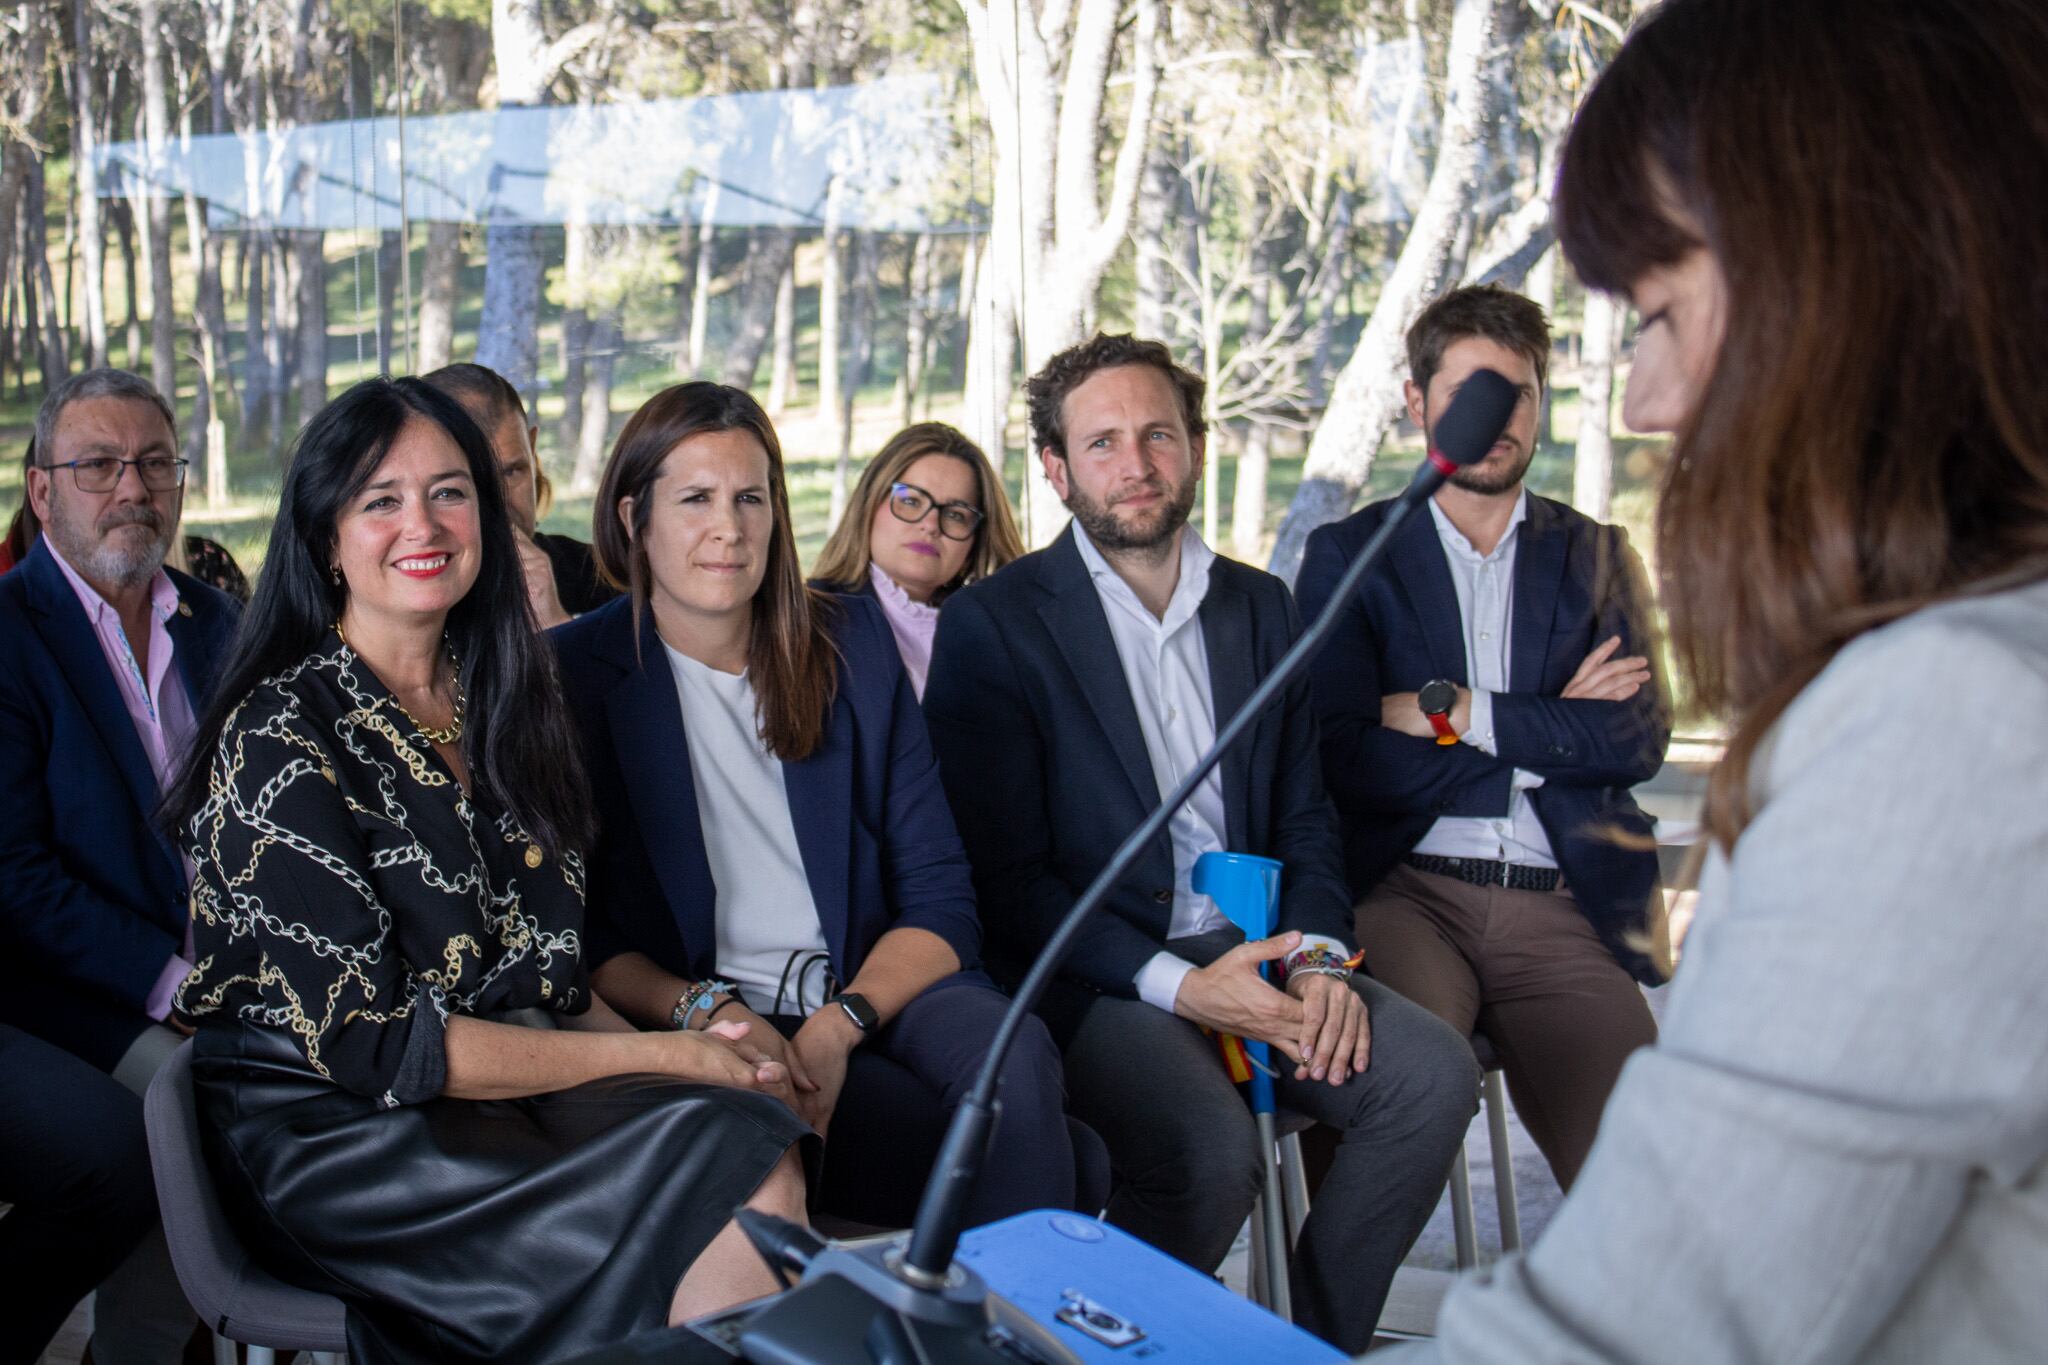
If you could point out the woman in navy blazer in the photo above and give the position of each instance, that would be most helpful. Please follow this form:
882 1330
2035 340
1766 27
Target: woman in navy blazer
848 918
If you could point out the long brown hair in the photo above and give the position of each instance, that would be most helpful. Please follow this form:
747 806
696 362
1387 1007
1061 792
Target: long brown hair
1871 439
790 657
844 560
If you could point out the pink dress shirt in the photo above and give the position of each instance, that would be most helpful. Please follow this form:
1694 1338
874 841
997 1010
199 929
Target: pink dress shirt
157 705
911 622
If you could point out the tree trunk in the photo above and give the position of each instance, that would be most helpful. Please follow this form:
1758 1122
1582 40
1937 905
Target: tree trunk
861 353
1593 465
576 341
782 362
123 213
440 286
686 295
256 382
917 318
768 255
508 337
283 339
700 286
607 333
1367 396
831 296
311 253
389 264
1156 195
54 348
991 355
156 122
85 176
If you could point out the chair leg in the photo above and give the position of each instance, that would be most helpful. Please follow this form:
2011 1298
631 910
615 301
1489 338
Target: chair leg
1503 1164
1461 1212
262 1355
1293 1184
223 1351
1272 1217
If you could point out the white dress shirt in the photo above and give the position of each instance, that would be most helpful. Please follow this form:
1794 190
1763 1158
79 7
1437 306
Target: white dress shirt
1166 667
1486 595
764 912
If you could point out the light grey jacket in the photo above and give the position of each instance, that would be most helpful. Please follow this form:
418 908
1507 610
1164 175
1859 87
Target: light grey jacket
1835 1151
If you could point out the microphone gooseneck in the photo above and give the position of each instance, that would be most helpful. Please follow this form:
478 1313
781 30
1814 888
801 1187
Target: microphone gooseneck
1470 425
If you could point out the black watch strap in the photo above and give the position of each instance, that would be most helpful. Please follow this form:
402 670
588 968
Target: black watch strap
857 1009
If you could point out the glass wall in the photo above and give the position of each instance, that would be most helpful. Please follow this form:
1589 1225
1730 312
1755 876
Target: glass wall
869 213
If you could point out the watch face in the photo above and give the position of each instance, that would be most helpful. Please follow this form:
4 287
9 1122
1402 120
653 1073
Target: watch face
860 1011
1437 698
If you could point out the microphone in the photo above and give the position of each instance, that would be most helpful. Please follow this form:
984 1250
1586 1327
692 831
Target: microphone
923 1297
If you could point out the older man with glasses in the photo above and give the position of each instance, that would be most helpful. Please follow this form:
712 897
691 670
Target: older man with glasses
105 658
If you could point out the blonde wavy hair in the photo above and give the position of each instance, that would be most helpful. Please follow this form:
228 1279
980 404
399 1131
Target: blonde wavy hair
843 562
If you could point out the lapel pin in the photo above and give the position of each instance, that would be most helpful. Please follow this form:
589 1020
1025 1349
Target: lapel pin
184 608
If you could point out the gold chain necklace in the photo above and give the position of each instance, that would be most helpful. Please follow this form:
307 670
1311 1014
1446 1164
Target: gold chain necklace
435 735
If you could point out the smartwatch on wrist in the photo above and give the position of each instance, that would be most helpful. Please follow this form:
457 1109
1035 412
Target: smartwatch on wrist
859 1010
1436 700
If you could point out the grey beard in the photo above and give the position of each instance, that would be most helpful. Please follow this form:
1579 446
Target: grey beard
102 562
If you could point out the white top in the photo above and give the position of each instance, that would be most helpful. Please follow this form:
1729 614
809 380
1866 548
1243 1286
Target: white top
1837 1149
765 911
1166 667
1486 598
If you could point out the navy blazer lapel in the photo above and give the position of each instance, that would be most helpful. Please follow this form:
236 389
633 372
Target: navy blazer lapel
75 645
196 663
1227 640
820 791
646 723
1539 569
1426 577
1081 631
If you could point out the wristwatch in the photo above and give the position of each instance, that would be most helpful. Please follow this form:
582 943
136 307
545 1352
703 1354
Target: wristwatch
859 1010
1436 700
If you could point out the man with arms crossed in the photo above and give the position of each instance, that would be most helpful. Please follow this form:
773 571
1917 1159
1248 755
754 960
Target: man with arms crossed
1486 703
1068 693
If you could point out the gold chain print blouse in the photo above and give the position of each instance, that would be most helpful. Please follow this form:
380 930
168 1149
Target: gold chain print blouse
348 893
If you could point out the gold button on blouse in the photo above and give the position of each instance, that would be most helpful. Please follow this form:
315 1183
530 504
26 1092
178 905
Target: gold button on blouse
533 855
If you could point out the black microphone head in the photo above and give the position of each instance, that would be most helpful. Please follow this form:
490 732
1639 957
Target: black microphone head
1478 413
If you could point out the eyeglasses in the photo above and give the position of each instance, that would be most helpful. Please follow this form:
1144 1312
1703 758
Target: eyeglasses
957 521
102 473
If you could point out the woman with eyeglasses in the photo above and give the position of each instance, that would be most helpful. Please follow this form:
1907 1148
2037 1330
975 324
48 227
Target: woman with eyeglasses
929 516
776 849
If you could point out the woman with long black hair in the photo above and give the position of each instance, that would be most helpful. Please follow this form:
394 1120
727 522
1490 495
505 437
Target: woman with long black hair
409 1095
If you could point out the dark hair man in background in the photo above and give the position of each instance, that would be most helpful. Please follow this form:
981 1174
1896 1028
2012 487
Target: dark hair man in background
1486 703
1067 693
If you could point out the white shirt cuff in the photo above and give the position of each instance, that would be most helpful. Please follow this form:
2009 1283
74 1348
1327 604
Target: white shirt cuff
1479 734
1159 979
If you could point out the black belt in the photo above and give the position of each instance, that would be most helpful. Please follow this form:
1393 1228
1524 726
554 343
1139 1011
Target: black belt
1486 872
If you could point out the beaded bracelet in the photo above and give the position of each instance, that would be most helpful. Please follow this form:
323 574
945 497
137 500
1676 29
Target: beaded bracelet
695 998
1322 960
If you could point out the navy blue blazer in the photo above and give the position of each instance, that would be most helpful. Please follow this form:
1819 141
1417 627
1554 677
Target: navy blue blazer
878 844
95 897
1047 769
1577 583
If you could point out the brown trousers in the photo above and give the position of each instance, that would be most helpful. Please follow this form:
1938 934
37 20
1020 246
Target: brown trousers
1525 969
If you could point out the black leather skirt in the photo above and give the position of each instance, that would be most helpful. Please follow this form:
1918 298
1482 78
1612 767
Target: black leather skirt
515 1230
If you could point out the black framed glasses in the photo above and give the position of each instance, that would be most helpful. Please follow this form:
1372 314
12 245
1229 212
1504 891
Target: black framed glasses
101 473
957 521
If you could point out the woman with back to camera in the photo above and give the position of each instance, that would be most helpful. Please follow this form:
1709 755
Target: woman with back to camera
928 517
776 846
562 581
387 816
1825 214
